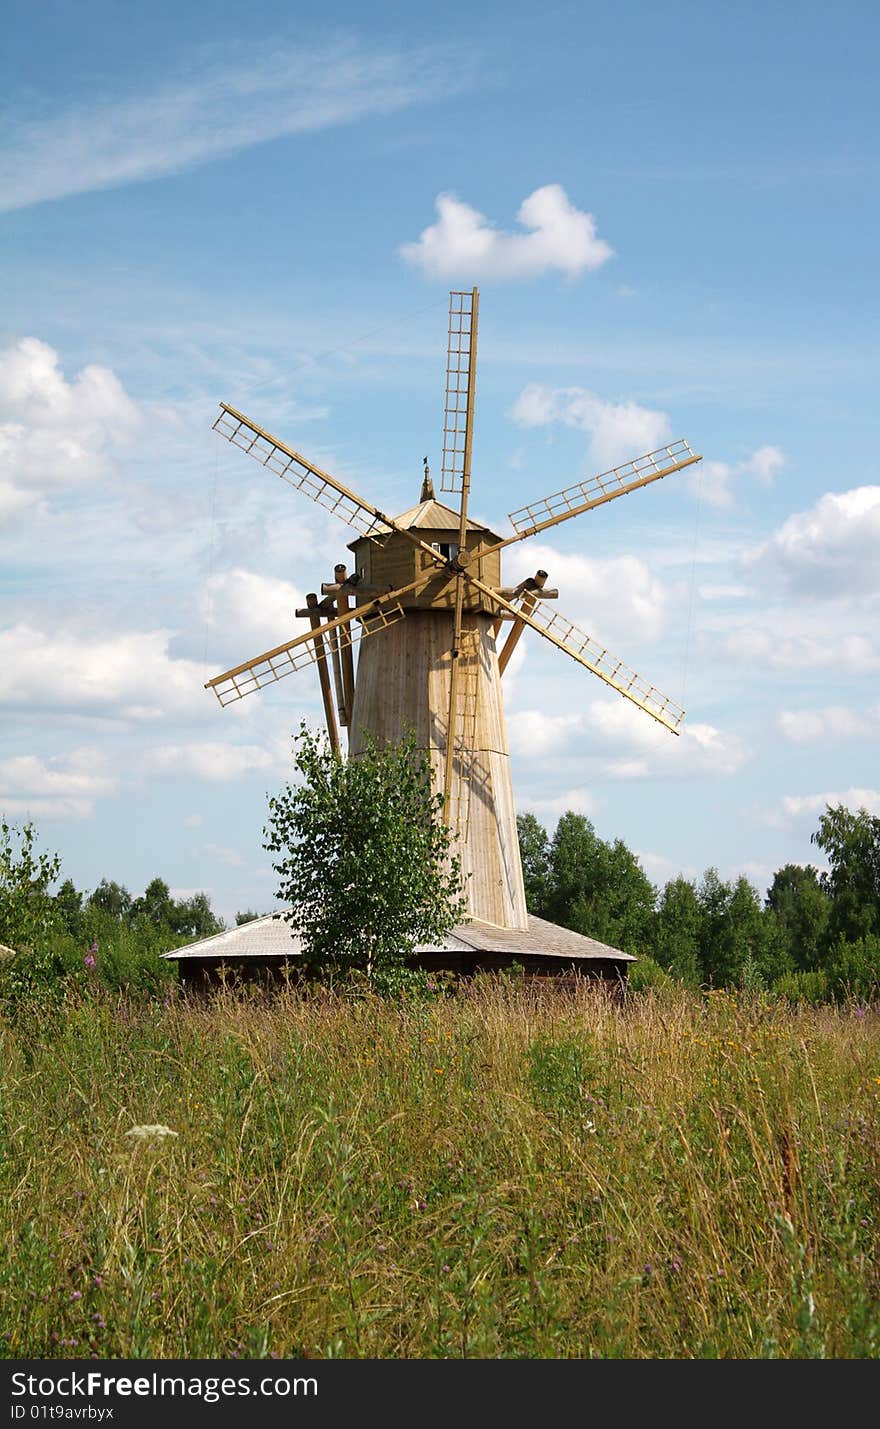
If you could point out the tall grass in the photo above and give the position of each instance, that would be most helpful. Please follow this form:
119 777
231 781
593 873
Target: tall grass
506 1172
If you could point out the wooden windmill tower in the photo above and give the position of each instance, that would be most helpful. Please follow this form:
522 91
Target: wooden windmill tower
428 584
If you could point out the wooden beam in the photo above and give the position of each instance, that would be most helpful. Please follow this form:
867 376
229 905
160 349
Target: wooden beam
347 656
323 675
533 589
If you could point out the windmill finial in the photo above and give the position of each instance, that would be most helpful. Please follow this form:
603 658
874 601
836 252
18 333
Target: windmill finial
427 484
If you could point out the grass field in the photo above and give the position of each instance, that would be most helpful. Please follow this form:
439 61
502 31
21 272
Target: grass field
501 1173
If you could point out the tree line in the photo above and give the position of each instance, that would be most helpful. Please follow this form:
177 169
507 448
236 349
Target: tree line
816 934
107 933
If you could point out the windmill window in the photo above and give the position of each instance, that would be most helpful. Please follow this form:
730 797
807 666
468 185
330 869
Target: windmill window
447 549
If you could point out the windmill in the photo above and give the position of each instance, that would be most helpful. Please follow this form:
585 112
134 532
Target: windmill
427 584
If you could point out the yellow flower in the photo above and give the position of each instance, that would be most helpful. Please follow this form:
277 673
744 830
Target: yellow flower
439 1071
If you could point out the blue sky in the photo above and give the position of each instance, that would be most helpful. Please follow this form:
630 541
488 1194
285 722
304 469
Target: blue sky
201 203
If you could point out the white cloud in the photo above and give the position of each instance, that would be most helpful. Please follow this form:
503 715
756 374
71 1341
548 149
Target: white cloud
532 732
576 801
55 433
618 430
640 605
829 550
227 856
699 749
795 805
127 676
464 244
711 480
764 464
217 108
214 761
759 646
60 786
250 613
661 869
627 744
833 722
39 807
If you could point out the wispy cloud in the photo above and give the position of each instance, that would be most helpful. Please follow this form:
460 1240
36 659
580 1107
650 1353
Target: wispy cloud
219 107
617 429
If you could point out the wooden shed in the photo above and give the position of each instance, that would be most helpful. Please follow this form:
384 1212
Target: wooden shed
265 950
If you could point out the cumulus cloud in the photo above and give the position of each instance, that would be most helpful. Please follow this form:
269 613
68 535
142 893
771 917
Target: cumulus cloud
641 601
626 743
247 612
214 761
576 801
794 806
58 786
617 430
646 748
829 550
217 107
833 722
759 646
130 676
464 244
56 433
713 480
221 854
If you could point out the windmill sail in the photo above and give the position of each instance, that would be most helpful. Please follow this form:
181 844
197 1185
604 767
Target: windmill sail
567 636
460 374
585 495
308 649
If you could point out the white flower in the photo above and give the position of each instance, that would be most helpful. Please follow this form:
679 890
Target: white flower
150 1133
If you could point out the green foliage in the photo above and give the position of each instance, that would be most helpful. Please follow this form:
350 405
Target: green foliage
534 850
647 974
27 914
28 918
853 968
598 889
363 857
562 1075
677 932
809 987
802 907
851 843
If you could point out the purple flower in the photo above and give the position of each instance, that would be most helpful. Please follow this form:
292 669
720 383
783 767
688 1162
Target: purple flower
89 960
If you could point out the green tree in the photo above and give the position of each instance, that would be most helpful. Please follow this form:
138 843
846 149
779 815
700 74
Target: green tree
802 909
363 857
534 852
713 896
598 889
155 906
27 910
69 909
111 898
194 918
851 843
677 931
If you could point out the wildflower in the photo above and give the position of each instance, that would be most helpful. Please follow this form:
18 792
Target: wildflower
77 1295
439 1071
152 1132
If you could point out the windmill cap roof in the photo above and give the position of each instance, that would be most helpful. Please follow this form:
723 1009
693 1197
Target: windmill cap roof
431 515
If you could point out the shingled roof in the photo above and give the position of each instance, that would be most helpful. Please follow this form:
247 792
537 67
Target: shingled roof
270 938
